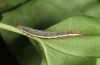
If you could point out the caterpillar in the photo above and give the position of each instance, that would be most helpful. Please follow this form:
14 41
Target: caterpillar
43 34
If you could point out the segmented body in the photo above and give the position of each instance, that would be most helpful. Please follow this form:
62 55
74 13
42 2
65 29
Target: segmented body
43 34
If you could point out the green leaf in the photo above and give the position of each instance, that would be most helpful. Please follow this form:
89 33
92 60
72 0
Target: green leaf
38 14
93 10
8 4
78 50
10 28
98 61
30 55
33 15
14 2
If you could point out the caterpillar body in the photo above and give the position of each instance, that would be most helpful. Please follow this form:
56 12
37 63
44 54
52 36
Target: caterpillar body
43 34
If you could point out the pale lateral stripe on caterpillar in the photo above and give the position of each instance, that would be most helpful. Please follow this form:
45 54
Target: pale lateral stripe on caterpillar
42 34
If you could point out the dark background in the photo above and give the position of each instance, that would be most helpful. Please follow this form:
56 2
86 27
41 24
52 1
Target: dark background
6 58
